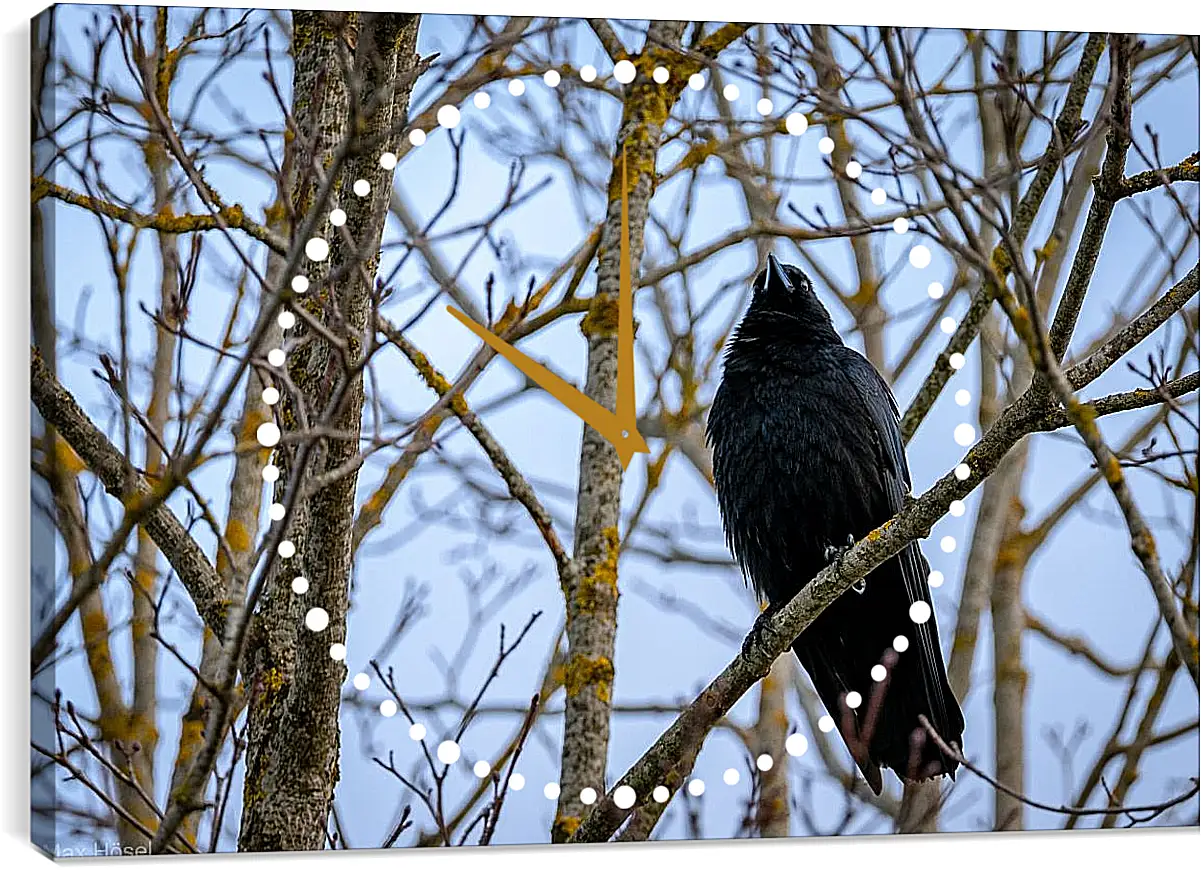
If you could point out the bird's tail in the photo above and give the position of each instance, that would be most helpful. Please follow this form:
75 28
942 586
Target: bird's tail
883 730
917 686
833 689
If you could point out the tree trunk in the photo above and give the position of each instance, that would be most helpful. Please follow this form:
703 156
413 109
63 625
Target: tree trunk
592 603
294 684
1009 684
771 730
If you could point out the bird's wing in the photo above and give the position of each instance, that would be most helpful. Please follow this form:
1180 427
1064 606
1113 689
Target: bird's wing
882 409
865 382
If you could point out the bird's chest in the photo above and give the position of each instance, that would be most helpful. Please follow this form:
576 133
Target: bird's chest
801 464
807 425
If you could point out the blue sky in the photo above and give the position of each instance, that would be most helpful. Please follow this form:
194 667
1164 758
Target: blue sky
1084 580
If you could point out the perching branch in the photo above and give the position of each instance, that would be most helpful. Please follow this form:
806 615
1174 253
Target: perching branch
689 730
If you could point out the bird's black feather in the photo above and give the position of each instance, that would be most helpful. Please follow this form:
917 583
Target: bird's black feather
807 453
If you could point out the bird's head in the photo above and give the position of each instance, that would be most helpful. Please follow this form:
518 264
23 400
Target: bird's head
784 305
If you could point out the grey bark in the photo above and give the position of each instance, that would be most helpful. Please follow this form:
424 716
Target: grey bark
294 685
592 600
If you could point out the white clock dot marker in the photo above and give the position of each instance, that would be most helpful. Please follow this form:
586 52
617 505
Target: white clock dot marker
268 434
316 249
919 612
317 619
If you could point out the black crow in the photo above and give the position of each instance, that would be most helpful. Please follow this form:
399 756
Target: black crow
808 458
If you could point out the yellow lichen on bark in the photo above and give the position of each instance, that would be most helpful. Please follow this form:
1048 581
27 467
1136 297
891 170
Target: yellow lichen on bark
580 672
437 382
602 316
600 584
564 827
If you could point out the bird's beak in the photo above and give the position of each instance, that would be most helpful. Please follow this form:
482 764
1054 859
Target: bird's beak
776 274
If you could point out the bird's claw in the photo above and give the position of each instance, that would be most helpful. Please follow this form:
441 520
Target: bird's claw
834 556
755 637
834 553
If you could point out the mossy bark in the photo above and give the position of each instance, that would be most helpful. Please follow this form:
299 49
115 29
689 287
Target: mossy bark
294 685
592 594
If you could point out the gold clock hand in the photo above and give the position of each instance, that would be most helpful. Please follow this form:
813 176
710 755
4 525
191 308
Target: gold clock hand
621 435
626 392
617 427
